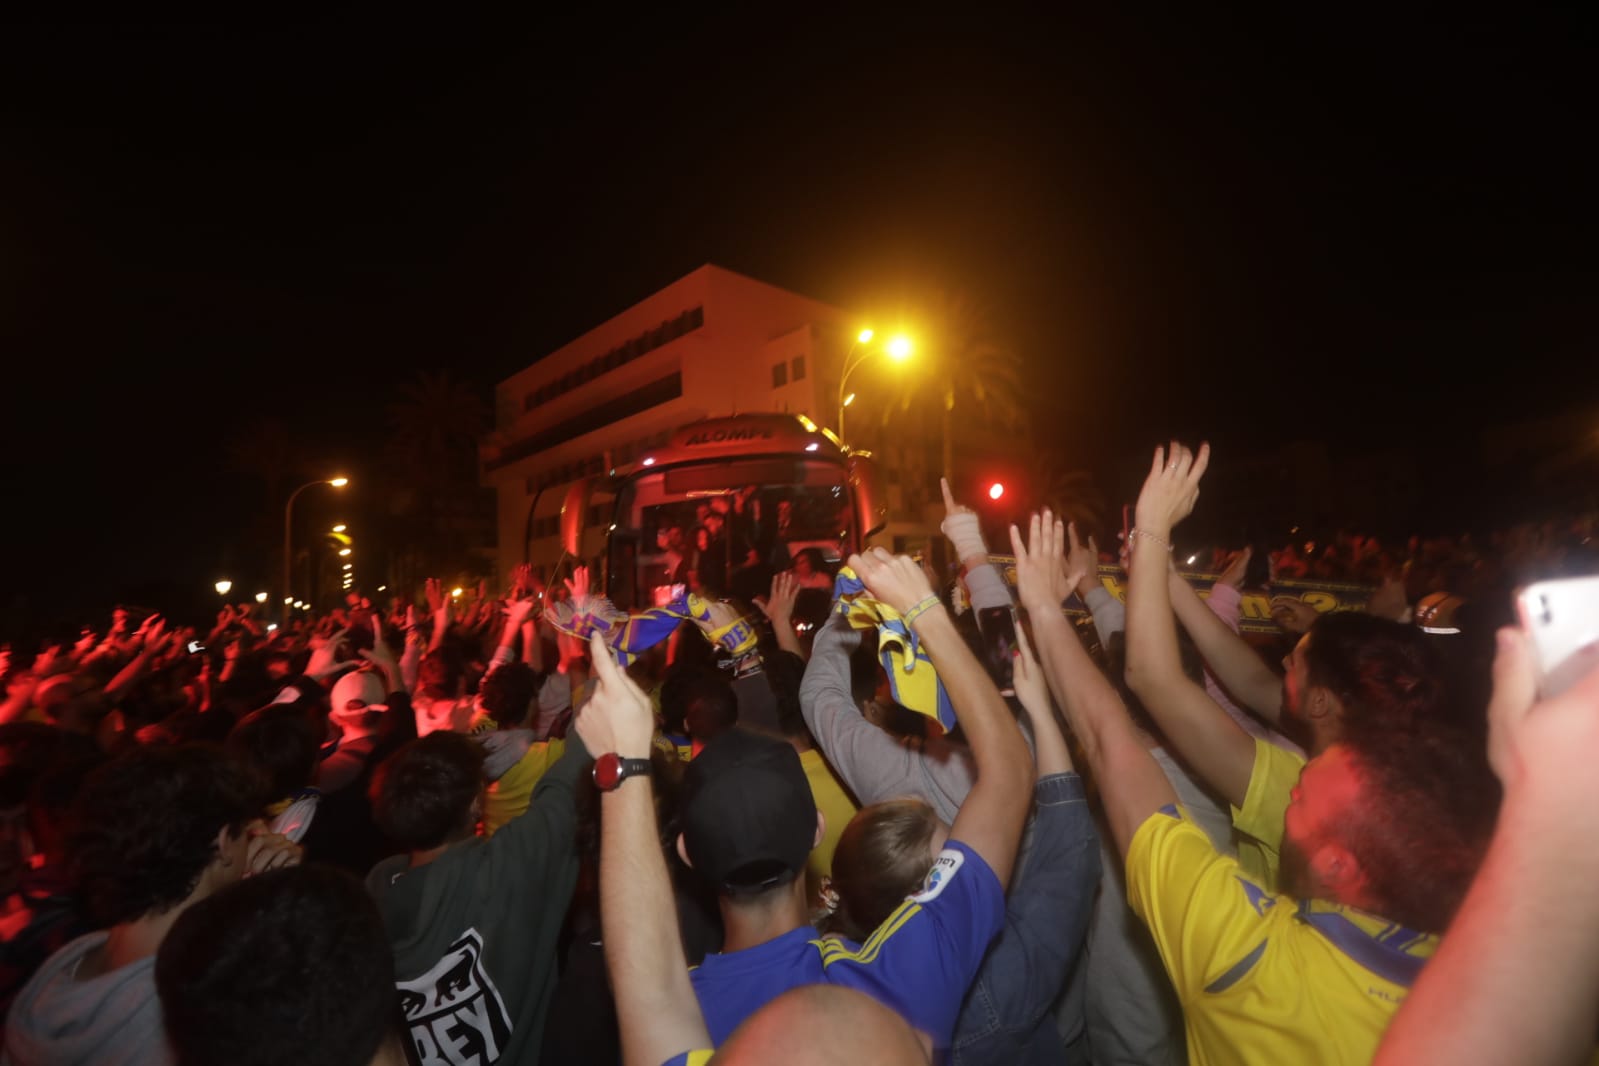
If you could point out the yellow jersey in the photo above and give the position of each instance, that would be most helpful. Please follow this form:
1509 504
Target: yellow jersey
1263 978
1260 821
837 808
509 796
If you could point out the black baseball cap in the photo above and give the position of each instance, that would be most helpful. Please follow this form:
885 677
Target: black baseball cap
747 814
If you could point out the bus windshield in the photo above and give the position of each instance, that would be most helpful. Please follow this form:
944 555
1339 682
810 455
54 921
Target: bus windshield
723 528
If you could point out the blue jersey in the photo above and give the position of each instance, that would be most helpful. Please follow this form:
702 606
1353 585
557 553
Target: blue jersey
919 962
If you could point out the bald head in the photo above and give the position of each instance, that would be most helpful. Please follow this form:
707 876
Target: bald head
817 1025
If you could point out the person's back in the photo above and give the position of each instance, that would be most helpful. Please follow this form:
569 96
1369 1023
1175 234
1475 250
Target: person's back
919 960
154 832
474 922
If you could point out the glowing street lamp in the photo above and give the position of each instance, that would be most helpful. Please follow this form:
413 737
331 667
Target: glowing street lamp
288 531
898 349
224 587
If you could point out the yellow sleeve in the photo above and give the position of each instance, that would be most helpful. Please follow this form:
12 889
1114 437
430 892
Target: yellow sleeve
1275 774
1208 918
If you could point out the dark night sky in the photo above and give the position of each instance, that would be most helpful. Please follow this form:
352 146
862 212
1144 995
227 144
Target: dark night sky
1205 224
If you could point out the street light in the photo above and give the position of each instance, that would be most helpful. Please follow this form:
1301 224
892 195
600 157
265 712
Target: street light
898 349
288 531
224 586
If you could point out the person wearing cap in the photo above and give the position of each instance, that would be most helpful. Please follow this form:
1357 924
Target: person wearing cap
749 823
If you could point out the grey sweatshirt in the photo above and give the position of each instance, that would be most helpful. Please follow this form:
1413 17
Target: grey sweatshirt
110 1020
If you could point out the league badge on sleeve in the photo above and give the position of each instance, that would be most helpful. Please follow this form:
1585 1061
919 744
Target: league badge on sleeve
949 860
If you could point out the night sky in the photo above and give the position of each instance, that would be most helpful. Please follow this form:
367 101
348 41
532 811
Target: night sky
1362 232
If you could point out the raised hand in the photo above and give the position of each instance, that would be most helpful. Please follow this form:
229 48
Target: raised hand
578 586
521 580
1548 743
1389 601
1042 583
1293 614
1027 677
1171 489
897 580
269 851
617 716
434 589
1237 567
779 606
1082 560
518 611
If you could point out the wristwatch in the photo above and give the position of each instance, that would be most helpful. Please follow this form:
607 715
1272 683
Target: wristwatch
611 770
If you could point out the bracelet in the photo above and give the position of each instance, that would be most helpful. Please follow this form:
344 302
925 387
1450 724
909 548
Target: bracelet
1149 536
921 608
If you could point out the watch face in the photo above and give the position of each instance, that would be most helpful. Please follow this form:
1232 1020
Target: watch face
608 771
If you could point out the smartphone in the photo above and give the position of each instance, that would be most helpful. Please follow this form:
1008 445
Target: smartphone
1257 575
998 626
195 647
1562 619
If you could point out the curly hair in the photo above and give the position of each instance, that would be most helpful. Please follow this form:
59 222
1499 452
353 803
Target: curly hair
145 825
423 794
1427 812
291 966
1387 676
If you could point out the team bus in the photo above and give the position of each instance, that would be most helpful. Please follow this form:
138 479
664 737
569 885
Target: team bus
745 494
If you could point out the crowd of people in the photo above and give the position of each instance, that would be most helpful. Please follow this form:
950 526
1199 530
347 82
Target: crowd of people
510 829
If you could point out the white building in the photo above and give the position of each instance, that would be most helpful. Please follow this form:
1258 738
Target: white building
712 343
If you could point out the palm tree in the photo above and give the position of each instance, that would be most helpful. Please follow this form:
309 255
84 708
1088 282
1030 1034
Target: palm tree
1072 493
964 368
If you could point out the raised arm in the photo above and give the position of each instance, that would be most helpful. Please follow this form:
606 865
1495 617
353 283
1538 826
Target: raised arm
984 585
990 820
1032 692
1237 666
1201 732
1132 785
656 1009
779 610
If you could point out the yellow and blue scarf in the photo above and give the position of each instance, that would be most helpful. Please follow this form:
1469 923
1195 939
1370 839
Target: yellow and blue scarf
911 676
630 635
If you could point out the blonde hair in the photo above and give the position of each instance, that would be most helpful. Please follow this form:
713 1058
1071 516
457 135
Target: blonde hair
882 857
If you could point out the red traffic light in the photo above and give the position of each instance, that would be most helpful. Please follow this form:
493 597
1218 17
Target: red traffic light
996 490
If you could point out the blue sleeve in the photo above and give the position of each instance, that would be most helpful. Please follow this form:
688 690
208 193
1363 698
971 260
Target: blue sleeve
1048 908
922 959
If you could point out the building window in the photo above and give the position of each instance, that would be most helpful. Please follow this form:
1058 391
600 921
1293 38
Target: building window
796 370
779 375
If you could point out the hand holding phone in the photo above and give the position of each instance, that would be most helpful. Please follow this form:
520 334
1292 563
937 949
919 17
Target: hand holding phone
998 626
195 647
1561 619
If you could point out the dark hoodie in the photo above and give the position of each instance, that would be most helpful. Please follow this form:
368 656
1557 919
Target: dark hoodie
475 931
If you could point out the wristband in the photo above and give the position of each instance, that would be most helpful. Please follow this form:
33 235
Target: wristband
921 608
1149 536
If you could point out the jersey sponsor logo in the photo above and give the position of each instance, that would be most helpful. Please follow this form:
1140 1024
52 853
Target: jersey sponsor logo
455 1013
944 867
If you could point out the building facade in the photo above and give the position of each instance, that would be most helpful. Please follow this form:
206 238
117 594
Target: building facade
712 343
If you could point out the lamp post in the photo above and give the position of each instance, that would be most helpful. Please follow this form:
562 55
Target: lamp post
898 349
288 536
